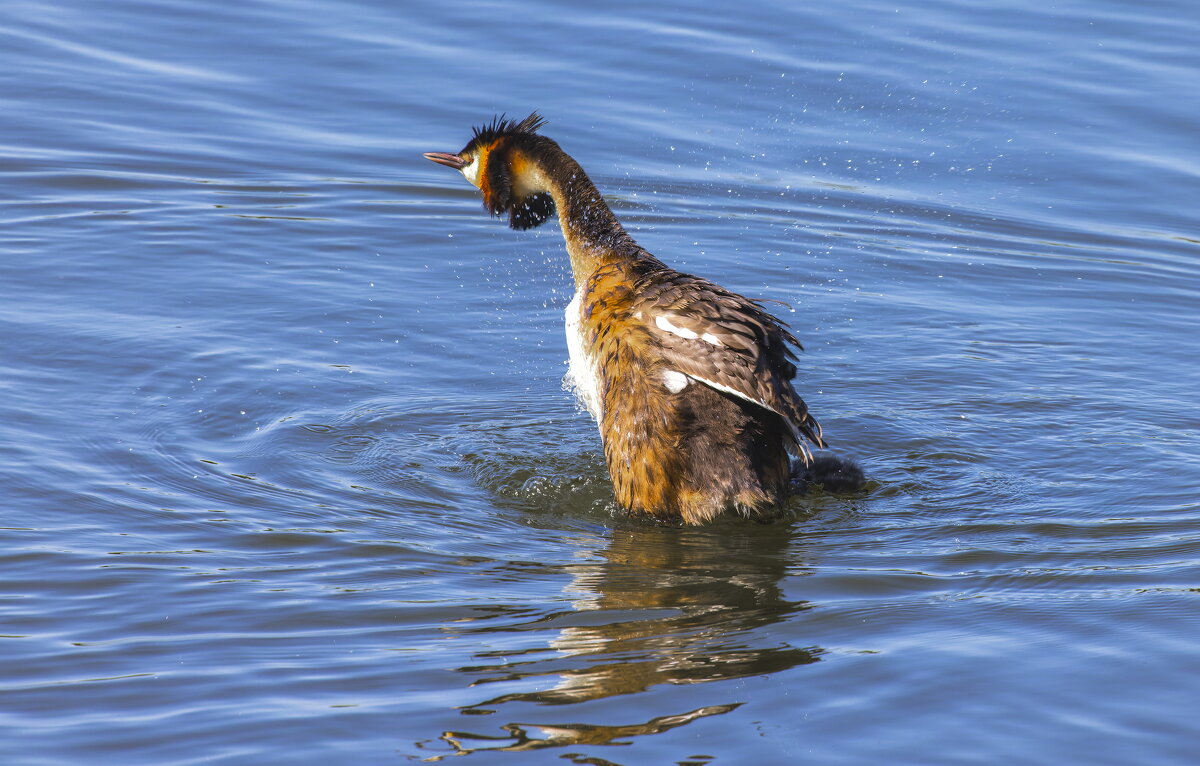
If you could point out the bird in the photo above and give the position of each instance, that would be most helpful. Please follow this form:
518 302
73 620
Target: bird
690 383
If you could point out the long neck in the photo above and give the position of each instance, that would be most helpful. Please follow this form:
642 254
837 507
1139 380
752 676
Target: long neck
594 235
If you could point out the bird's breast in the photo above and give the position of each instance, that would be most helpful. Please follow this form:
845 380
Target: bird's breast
583 374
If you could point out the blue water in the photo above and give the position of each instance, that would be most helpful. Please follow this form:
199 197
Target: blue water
287 471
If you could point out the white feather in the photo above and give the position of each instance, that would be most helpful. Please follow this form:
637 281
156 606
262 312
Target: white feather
582 377
674 380
665 324
471 170
730 391
795 431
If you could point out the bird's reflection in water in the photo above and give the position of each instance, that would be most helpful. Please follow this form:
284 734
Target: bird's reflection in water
575 734
662 606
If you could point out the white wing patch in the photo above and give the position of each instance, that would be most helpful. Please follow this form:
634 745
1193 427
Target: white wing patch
664 323
674 380
799 437
732 392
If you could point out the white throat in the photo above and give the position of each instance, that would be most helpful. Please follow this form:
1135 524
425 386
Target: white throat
471 171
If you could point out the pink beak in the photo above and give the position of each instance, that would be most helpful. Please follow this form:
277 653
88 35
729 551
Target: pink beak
449 160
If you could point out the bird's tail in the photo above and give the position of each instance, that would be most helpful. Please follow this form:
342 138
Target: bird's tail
835 474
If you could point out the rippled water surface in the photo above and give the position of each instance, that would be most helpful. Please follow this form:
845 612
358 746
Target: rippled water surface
289 476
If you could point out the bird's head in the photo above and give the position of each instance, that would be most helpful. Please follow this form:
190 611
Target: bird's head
497 161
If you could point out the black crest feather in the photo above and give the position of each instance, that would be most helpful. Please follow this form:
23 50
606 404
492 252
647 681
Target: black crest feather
531 211
502 126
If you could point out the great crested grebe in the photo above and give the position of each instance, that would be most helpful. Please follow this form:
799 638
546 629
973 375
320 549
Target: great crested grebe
690 383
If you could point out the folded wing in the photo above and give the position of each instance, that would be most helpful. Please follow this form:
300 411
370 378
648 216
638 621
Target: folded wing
728 342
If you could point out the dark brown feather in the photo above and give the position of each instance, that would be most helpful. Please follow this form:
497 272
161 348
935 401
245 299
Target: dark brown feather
752 357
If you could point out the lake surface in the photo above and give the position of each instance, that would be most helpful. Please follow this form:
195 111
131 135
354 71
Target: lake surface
289 475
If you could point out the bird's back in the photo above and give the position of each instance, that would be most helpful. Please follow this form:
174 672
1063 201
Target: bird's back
690 384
